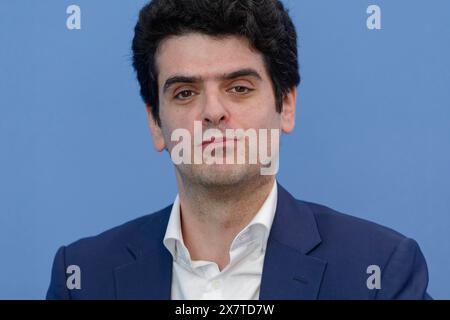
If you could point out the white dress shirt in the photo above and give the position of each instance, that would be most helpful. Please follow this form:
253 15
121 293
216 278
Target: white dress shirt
240 279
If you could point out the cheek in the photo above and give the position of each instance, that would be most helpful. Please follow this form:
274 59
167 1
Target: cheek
178 116
170 123
262 114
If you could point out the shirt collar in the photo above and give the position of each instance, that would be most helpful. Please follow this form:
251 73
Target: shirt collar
257 230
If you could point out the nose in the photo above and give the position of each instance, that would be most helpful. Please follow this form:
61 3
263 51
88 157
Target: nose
214 112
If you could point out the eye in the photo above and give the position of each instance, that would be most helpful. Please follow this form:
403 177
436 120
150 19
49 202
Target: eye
184 95
240 90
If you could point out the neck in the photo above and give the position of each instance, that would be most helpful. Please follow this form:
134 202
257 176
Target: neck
211 217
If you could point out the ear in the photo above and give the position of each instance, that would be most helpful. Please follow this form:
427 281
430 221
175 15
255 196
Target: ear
288 112
155 130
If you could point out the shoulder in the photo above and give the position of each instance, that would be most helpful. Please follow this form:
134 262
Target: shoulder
113 242
333 224
358 238
349 240
352 246
355 243
98 257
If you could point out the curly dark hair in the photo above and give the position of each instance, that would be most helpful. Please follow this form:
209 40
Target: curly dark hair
265 23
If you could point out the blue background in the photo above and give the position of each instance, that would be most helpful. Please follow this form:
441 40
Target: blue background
372 136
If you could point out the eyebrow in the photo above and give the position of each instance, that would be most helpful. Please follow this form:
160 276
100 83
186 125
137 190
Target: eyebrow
248 72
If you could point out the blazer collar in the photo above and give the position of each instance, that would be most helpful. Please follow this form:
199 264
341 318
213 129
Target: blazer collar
149 276
288 272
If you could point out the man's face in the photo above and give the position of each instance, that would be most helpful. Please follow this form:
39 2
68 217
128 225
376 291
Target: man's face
223 84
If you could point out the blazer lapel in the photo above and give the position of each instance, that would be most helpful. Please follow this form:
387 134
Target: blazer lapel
288 272
149 276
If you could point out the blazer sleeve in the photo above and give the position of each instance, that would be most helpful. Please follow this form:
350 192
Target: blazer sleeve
405 275
58 288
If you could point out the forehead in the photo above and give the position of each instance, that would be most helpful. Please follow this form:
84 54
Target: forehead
202 55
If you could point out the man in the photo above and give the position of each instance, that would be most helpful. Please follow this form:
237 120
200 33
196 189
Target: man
232 231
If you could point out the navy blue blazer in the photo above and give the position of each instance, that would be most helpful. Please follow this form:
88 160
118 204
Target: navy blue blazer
313 252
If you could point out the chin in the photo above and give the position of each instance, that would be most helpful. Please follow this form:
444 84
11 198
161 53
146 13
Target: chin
224 174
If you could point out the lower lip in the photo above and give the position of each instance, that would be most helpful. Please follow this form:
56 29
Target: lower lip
218 143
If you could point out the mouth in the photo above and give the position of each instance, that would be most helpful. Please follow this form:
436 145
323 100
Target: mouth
217 140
